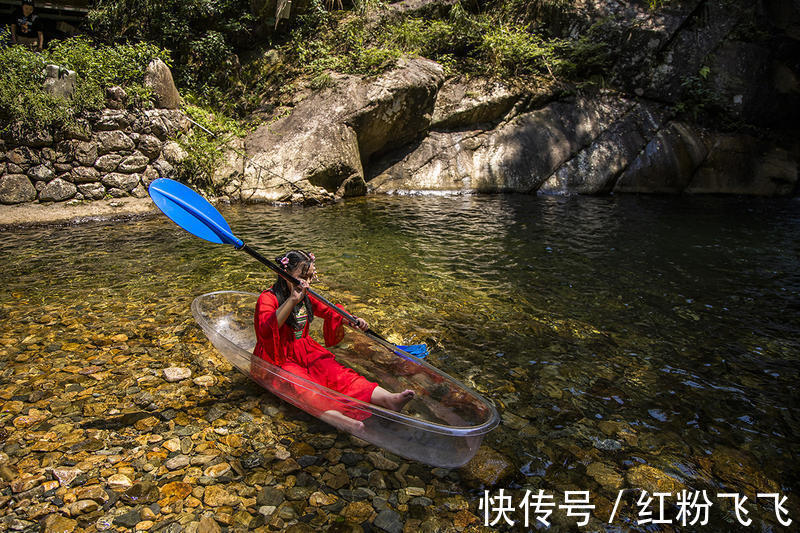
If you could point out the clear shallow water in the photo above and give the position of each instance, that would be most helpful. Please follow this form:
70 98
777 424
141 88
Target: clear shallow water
609 331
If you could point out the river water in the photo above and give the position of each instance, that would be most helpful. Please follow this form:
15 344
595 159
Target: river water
610 332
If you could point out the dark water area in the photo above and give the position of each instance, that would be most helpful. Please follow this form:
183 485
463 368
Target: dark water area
611 333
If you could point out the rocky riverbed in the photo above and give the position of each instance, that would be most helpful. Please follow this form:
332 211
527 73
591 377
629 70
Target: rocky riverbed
141 427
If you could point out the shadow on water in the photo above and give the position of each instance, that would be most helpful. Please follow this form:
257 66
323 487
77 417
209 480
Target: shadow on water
611 332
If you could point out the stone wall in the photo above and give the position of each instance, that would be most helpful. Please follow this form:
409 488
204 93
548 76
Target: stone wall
119 153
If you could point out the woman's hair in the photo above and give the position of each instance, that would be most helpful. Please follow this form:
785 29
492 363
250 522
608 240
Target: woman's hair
289 261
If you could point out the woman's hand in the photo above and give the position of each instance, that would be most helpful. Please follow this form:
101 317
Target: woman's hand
361 324
299 292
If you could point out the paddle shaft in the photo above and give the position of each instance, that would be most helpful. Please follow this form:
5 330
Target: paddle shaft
196 215
288 277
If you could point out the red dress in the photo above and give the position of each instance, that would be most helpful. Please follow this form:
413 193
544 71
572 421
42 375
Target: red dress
306 358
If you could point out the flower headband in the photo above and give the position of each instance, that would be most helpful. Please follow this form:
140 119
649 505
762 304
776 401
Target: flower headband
285 260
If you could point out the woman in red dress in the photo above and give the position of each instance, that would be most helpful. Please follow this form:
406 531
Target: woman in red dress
282 317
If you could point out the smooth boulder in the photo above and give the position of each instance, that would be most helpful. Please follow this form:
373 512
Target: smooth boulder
158 78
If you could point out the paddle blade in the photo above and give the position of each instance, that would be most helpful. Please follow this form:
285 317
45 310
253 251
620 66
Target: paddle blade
192 212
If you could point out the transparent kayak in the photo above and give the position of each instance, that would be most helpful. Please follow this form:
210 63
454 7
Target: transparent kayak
442 426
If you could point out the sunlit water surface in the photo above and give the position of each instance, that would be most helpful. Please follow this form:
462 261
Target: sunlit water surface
619 331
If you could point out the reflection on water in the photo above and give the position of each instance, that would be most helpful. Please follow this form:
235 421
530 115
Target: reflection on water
611 332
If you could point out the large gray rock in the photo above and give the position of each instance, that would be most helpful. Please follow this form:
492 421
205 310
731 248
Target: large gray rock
150 146
111 120
113 141
595 169
518 155
92 191
231 168
667 163
173 153
108 162
115 192
163 123
86 153
133 163
305 169
159 78
125 182
319 150
443 161
149 175
116 97
84 174
695 53
23 156
16 189
12 168
57 190
741 164
41 173
465 103
163 167
392 110
59 81
140 191
710 60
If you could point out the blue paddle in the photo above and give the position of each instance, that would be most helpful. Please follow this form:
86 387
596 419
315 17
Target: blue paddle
196 215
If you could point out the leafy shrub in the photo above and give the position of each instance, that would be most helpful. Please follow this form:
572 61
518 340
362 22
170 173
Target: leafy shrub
22 97
205 146
698 98
24 101
510 51
106 65
201 35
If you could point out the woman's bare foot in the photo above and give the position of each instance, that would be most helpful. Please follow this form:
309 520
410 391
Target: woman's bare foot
400 399
339 420
392 400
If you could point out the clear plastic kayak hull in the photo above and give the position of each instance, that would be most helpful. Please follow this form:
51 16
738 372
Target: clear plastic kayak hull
442 426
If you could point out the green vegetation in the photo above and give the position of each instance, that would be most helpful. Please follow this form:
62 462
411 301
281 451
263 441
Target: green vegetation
203 36
24 103
463 42
231 56
698 99
205 145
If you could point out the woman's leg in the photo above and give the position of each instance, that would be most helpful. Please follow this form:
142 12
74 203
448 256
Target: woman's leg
319 403
391 400
342 421
349 382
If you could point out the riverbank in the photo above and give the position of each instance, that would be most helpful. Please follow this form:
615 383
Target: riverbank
58 213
